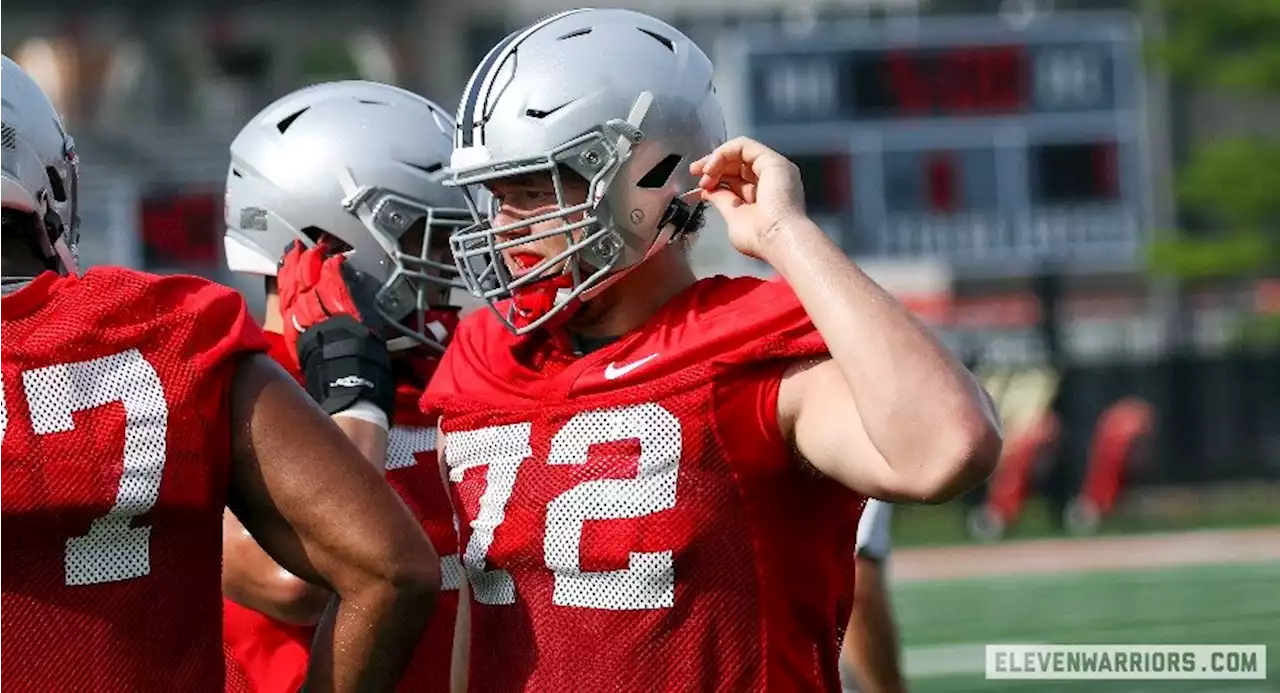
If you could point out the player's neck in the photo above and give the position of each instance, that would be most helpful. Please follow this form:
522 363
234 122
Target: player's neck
271 320
629 303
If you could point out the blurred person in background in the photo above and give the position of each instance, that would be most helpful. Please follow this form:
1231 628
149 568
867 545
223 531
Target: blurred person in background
869 655
346 177
134 409
642 461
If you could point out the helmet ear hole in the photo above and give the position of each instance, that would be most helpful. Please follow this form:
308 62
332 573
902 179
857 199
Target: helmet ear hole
660 173
318 235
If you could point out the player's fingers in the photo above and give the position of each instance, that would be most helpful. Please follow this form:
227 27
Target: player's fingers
332 265
742 149
333 275
311 265
289 257
699 167
725 201
754 158
714 165
290 274
316 305
696 167
743 156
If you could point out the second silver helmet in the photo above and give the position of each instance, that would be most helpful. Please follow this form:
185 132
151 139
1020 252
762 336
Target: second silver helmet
363 162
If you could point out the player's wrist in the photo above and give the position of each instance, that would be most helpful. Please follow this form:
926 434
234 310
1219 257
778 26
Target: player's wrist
790 244
343 363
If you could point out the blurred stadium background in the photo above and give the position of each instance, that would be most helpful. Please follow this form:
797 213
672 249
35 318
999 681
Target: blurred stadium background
1080 195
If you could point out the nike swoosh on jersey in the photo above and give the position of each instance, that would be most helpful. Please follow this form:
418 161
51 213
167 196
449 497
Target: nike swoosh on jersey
614 371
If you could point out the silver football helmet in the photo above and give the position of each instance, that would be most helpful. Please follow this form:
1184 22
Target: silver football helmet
363 162
549 96
41 174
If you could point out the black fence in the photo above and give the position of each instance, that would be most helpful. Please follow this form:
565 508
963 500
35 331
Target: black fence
1217 417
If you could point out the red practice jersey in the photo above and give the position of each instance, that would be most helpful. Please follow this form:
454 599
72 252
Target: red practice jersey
633 519
272 654
116 453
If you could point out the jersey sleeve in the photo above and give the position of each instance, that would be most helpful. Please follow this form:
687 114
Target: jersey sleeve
227 329
757 339
769 323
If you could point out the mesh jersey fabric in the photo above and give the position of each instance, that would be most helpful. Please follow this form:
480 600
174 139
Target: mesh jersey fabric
633 520
274 654
116 457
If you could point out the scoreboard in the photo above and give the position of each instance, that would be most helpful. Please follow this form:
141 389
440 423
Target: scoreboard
993 147
181 228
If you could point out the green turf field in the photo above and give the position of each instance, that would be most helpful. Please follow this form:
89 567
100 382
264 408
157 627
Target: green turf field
945 624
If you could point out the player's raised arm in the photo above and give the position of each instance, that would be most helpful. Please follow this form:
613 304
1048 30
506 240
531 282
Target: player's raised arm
325 514
893 413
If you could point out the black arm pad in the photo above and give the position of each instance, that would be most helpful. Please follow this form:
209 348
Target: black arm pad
342 362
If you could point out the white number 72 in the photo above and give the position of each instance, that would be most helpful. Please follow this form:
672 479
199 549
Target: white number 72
648 582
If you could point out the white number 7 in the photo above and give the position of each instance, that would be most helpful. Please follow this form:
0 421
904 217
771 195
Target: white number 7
113 549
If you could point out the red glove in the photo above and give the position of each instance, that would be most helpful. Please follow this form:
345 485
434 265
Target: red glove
314 288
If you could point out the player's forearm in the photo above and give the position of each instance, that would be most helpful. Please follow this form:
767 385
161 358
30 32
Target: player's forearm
918 405
459 666
871 642
276 592
366 639
251 579
871 658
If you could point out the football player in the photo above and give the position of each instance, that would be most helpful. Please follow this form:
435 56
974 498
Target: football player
654 473
134 408
349 176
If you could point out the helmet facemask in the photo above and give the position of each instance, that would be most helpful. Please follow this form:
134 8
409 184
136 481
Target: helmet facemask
593 244
64 181
49 194
405 299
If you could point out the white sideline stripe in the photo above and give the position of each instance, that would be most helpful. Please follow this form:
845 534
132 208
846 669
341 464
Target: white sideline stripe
943 661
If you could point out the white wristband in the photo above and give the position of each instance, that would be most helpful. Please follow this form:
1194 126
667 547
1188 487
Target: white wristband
367 412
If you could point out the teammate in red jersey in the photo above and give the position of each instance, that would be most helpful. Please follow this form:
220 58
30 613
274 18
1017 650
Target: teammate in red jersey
357 166
654 473
134 408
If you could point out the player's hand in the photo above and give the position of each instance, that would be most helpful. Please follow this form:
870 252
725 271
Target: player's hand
314 288
755 189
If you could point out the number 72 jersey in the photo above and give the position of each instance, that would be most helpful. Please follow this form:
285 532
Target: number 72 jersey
633 522
116 446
